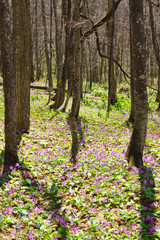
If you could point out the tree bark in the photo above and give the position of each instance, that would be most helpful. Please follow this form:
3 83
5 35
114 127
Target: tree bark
59 58
112 84
156 50
134 152
22 62
10 157
31 49
132 113
49 74
37 57
61 83
75 80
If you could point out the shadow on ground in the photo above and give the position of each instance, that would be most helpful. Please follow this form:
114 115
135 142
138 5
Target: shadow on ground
147 201
46 199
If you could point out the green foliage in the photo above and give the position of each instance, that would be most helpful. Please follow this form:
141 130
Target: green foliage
48 197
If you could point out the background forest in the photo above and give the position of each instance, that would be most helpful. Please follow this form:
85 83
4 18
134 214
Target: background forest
79 119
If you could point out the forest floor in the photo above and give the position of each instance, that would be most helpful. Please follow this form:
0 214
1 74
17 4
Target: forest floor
47 197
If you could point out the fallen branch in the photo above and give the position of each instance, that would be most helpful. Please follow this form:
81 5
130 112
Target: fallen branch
41 87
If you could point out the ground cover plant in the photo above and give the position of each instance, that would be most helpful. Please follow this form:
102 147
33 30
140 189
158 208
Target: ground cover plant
47 197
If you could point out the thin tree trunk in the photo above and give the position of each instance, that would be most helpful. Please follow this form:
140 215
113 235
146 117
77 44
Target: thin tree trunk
62 77
90 66
10 157
112 85
31 55
132 113
37 57
75 81
49 75
117 59
158 94
50 43
156 50
151 69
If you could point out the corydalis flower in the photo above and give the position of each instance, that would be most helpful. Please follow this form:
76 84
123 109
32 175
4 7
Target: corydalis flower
75 229
10 210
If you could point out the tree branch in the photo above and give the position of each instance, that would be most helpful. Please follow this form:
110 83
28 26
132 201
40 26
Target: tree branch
157 5
105 56
101 21
99 50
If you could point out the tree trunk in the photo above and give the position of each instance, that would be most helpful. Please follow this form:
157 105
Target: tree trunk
75 45
158 94
31 56
49 75
50 43
151 69
135 149
37 57
59 58
112 84
22 62
132 113
118 60
62 77
10 157
156 50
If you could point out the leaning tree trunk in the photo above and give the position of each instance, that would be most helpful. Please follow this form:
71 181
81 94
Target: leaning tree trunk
75 81
135 149
22 62
10 157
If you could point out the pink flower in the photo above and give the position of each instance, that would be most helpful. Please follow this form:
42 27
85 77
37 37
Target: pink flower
75 229
18 165
14 233
38 209
124 228
10 210
50 216
116 231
